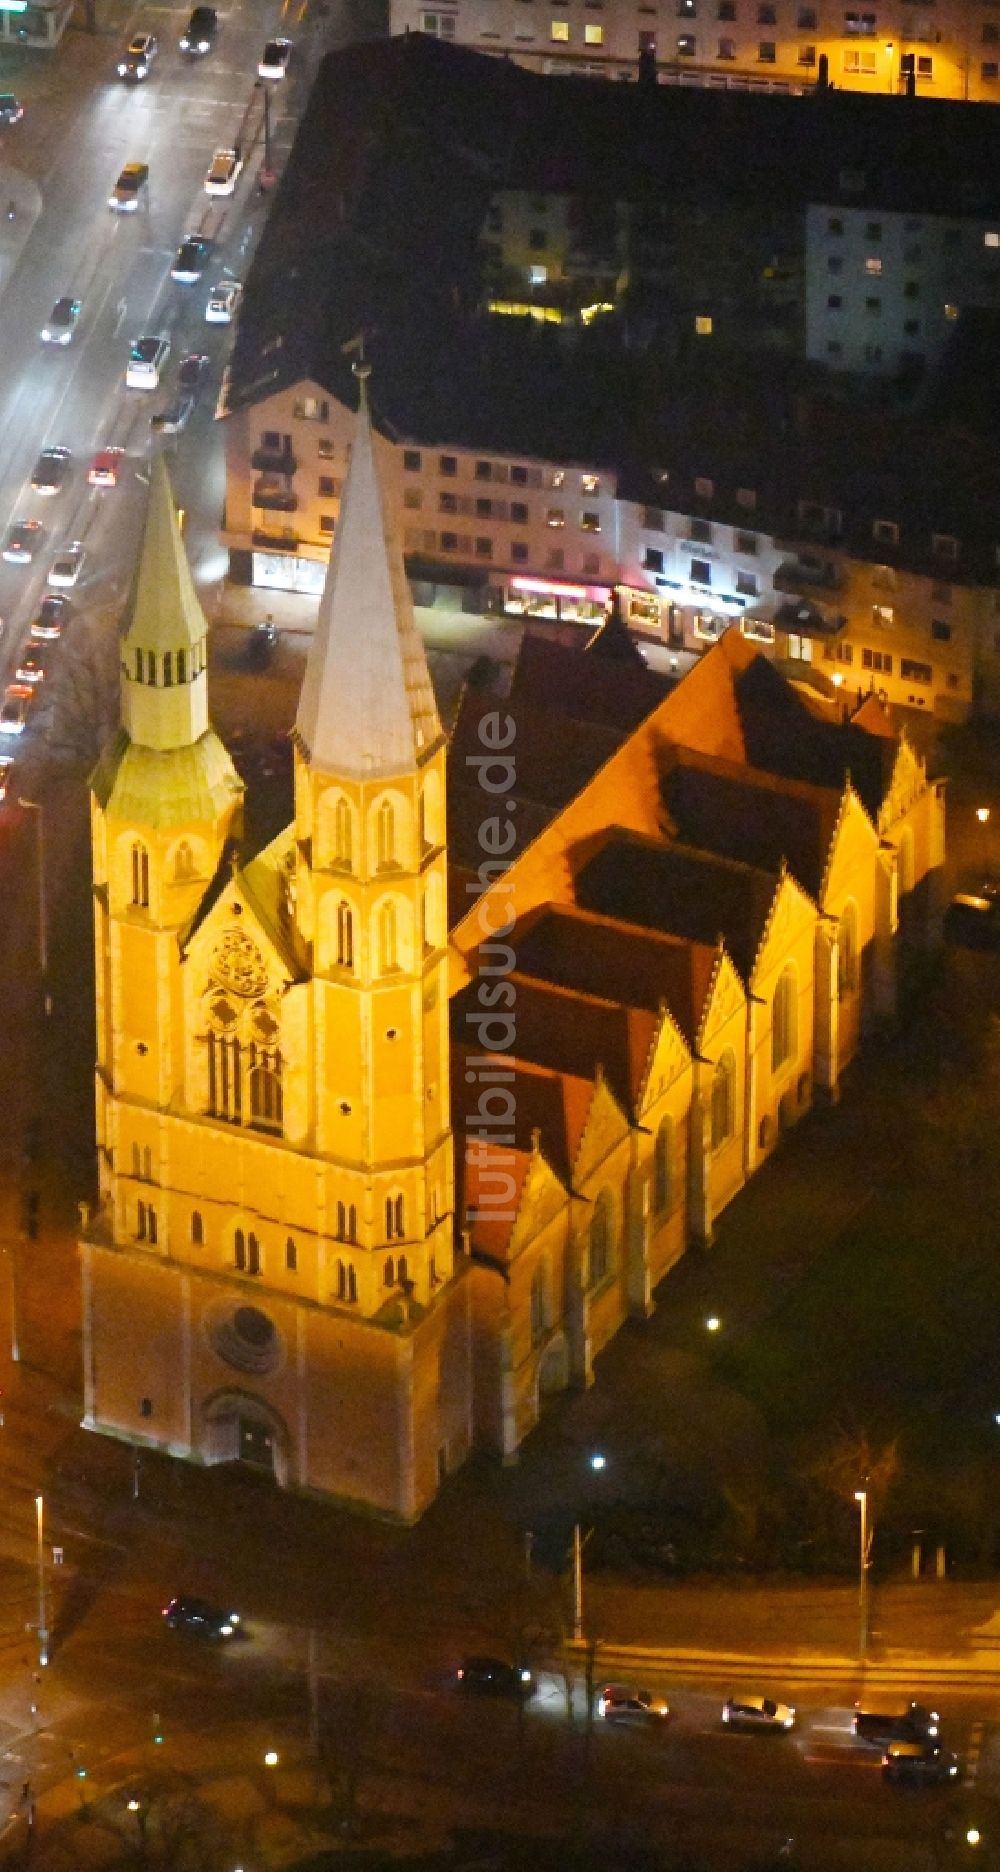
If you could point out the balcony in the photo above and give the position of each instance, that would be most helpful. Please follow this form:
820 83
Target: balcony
808 575
809 620
279 461
274 495
275 539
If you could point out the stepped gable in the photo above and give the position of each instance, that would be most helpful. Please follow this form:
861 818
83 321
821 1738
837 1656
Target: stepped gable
784 736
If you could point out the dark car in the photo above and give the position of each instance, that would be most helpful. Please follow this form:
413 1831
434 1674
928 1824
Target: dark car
197 1616
972 919
192 370
490 1676
919 1764
174 418
191 261
201 31
53 616
906 1721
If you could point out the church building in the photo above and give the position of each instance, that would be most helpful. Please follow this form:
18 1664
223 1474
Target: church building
396 1129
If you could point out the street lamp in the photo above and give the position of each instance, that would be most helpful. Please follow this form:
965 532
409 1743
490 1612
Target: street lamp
861 1497
713 1323
43 1615
271 1758
597 1462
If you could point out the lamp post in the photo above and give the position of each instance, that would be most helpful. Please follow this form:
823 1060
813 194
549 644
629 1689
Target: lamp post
861 1497
36 806
598 1462
889 50
43 1614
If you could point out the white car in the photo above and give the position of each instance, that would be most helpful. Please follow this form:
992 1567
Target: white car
51 470
222 302
621 1703
61 322
223 172
758 1712
17 703
146 358
67 565
273 61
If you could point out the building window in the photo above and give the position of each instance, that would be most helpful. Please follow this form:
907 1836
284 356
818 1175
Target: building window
878 661
385 835
701 530
412 460
448 465
834 347
883 615
835 263
727 49
834 302
766 14
395 1219
519 552
652 559
484 547
347 1222
806 21
746 584
593 34
539 1303
327 487
347 1282
599 1258
559 29
663 1157
835 225
873 263
858 63
746 542
807 55
847 951
784 1010
483 470
940 631
327 523
555 517
345 935
342 835
767 52
944 546
197 1230
140 876
915 672
311 409
723 1102
990 33
265 1089
590 522
686 46
951 311
990 71
387 938
700 572
873 306
703 325
886 532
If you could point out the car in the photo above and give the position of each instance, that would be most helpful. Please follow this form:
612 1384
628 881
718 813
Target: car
128 190
758 1712
892 1721
919 1764
6 774
61 322
192 370
972 919
67 565
138 57
490 1676
222 302
199 35
146 358
11 108
22 542
620 1703
273 61
168 421
32 664
196 1615
18 699
223 172
50 471
53 616
105 467
191 260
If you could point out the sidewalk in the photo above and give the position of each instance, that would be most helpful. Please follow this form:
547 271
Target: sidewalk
26 197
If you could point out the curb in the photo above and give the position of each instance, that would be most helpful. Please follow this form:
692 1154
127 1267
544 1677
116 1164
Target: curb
977 1670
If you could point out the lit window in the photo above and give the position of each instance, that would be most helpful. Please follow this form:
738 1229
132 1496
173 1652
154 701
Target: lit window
703 487
590 483
537 275
951 311
703 325
883 615
555 517
873 264
590 522
686 46
991 239
593 34
559 29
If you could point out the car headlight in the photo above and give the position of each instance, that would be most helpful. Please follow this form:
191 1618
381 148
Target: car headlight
932 1729
526 1676
234 1618
226 1631
790 1720
122 69
725 1715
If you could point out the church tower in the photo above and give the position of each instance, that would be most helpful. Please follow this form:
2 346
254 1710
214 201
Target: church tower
271 1276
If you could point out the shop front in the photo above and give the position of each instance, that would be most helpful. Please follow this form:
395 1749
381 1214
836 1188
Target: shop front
556 598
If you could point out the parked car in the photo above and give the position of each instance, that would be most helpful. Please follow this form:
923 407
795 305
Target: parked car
128 190
33 662
191 260
200 32
53 617
892 1721
758 1713
146 358
273 61
51 470
490 1676
6 775
972 919
67 565
222 302
105 467
619 1703
22 542
199 1617
223 172
18 699
139 54
61 322
11 108
919 1764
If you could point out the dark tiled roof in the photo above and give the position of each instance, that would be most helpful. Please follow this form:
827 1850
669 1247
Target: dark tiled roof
721 808
584 684
574 1033
682 892
603 955
545 1101
783 736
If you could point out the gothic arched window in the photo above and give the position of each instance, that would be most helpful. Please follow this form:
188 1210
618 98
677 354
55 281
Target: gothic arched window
140 876
663 1151
784 1025
343 843
600 1239
345 935
847 951
723 1100
385 834
387 951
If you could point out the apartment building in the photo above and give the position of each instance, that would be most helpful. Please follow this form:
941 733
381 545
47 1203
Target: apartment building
884 289
948 49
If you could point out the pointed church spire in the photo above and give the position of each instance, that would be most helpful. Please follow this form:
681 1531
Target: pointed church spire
164 658
367 706
613 642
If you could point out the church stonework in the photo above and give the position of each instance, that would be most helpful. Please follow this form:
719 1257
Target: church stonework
271 1273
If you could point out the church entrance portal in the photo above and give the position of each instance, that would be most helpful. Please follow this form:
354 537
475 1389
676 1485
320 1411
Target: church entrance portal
243 1430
